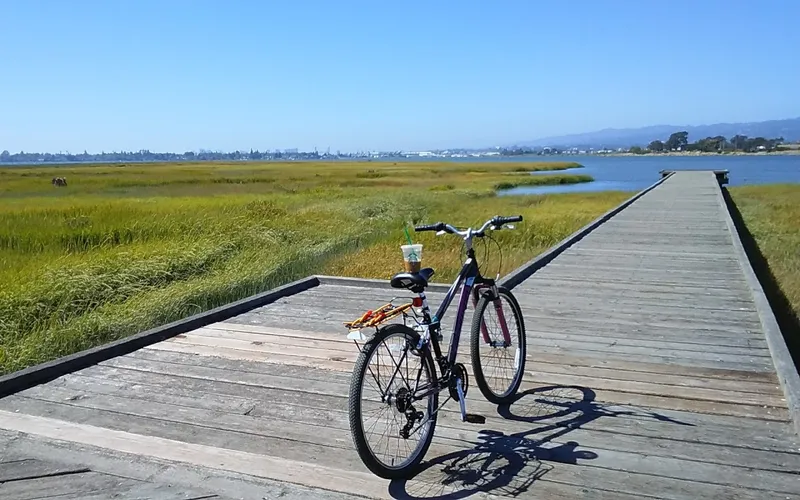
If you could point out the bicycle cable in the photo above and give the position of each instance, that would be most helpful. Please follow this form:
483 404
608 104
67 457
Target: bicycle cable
500 251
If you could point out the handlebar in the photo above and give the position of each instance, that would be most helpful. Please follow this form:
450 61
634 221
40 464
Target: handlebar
495 222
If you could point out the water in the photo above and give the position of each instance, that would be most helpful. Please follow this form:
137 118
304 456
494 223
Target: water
634 173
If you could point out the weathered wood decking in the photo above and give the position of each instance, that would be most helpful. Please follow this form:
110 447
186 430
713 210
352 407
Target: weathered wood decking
649 376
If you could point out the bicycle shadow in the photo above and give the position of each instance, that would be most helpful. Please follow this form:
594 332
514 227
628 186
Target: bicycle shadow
510 464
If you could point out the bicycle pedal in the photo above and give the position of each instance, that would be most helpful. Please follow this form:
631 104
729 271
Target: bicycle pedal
473 418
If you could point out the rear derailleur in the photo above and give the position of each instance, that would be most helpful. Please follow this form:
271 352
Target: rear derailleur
404 406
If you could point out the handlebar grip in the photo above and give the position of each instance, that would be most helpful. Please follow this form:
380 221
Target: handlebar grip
505 220
430 227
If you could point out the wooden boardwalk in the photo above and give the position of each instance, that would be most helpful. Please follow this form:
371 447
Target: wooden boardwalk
649 376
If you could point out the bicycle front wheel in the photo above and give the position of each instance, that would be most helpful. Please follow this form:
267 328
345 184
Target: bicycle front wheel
393 402
497 346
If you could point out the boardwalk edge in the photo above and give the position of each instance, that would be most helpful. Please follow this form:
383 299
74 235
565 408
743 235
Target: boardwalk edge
526 270
785 368
47 371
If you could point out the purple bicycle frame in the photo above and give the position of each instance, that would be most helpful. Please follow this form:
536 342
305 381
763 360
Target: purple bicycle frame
466 279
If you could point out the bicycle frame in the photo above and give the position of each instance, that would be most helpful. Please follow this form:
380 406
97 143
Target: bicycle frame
470 281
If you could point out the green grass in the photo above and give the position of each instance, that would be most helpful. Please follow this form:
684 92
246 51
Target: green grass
772 216
126 248
543 180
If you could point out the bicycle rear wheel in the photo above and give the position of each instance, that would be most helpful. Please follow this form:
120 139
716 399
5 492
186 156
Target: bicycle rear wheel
498 354
387 375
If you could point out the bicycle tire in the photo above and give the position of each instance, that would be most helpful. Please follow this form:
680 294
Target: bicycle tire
476 338
355 405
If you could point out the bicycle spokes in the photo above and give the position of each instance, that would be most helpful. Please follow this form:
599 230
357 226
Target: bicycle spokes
393 416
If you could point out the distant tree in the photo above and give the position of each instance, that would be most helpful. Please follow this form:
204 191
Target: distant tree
656 146
637 150
738 142
677 140
709 145
5 155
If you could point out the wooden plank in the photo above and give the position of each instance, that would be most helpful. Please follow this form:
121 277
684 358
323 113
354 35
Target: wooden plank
656 338
329 438
636 279
75 485
336 352
559 451
675 363
335 342
607 395
534 330
545 289
143 490
279 469
692 304
287 320
579 325
651 366
292 427
598 248
32 468
436 481
322 358
317 381
539 285
241 341
569 359
537 408
274 465
535 316
687 310
363 301
573 263
722 317
657 316
249 355
312 324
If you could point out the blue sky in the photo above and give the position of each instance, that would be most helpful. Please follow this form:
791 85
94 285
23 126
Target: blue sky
182 75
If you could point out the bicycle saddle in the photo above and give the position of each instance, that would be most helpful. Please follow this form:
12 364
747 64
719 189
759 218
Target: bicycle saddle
416 282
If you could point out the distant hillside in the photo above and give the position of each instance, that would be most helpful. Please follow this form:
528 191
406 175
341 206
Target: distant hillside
625 137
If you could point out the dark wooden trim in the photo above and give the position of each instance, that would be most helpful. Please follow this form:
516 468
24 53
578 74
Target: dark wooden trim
525 271
785 368
45 372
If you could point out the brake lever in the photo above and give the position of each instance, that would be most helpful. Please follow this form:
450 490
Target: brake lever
441 232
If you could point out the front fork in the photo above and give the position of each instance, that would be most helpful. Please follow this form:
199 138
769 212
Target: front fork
498 307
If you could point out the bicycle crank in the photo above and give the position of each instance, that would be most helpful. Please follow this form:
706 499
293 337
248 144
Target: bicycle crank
458 390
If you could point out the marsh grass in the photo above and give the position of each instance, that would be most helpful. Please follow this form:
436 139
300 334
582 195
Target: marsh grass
126 248
771 215
542 180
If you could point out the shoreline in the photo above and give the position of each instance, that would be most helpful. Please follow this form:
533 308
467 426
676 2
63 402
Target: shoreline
790 152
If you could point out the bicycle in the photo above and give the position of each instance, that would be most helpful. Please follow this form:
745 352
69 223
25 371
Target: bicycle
415 343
